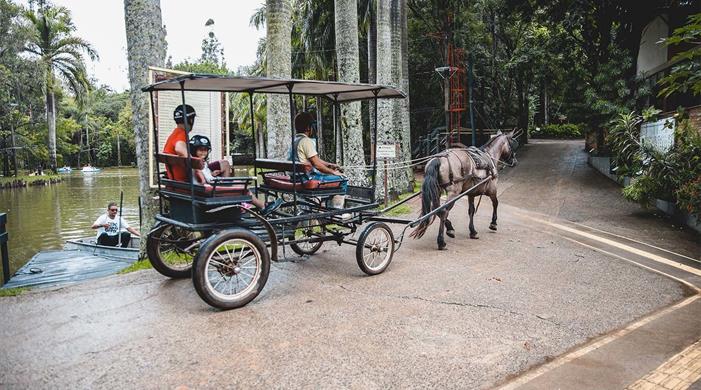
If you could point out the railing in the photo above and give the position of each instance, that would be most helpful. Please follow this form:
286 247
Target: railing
3 249
437 140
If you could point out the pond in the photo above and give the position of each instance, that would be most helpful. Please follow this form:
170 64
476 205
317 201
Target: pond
44 217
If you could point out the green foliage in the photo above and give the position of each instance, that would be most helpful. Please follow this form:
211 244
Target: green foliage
566 130
673 176
686 75
13 292
623 136
136 266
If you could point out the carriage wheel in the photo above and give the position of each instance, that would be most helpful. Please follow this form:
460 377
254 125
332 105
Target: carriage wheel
231 268
171 250
305 230
375 248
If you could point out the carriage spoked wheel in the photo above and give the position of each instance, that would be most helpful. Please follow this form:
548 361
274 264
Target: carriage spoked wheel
307 230
231 268
375 248
172 249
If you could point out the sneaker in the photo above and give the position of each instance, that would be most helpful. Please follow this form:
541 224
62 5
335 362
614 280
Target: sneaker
346 216
272 206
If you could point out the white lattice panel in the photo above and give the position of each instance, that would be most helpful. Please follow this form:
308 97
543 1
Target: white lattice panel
659 134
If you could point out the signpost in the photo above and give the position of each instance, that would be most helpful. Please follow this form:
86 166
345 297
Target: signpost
385 152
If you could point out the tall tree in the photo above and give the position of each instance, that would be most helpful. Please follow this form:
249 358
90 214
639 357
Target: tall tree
61 56
278 60
146 46
346 17
385 133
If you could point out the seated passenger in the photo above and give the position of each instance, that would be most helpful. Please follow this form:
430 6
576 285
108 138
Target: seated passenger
109 229
200 147
177 144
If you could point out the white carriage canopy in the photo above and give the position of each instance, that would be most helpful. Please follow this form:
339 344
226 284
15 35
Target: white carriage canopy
335 91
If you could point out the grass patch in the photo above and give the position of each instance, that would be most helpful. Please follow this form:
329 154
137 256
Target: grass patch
13 292
28 180
136 266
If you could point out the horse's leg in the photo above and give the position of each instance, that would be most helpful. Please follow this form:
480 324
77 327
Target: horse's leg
495 204
449 230
471 212
441 241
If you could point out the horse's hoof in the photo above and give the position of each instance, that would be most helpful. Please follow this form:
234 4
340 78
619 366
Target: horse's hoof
493 226
474 236
450 233
442 247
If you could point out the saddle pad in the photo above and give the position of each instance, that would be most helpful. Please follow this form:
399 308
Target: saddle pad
481 158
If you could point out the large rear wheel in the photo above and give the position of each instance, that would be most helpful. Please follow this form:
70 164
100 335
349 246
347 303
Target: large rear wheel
171 250
231 269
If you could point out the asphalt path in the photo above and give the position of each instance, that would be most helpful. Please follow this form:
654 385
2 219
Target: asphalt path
472 316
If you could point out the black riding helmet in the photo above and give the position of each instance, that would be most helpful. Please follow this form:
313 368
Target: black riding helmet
199 141
179 113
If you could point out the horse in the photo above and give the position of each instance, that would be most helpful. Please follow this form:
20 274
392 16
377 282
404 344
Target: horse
455 171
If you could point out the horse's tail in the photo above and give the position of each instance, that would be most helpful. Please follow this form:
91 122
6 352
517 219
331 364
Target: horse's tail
430 196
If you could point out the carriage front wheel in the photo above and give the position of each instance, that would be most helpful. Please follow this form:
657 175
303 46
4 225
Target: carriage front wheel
375 248
231 268
171 250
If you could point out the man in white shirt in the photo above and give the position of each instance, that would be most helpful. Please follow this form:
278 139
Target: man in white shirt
110 227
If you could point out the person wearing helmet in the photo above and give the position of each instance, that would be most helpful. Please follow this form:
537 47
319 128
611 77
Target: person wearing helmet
200 147
177 140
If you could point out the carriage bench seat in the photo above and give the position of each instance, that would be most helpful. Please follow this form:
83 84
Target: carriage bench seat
285 175
226 187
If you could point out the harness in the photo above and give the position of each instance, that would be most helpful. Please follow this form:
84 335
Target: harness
480 160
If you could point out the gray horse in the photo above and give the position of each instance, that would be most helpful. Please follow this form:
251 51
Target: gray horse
455 171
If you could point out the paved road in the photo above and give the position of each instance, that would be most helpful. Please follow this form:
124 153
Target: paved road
470 317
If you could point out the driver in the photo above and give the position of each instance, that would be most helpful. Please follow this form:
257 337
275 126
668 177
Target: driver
305 151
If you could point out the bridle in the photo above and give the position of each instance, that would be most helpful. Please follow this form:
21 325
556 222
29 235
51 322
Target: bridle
512 154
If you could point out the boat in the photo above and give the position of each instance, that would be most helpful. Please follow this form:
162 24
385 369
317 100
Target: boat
65 169
89 244
89 169
80 259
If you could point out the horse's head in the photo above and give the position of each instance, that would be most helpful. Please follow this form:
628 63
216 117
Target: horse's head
507 152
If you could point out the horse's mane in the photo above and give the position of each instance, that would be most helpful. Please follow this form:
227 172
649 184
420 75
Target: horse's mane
491 140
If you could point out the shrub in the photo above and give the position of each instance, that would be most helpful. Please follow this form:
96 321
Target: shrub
567 130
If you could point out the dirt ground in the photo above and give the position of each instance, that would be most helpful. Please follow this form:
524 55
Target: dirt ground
467 317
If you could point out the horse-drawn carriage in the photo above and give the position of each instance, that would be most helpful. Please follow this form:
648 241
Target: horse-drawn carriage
208 232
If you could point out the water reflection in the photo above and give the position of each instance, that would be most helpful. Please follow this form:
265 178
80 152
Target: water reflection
41 218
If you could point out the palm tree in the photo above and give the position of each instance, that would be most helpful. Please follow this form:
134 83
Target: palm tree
385 133
278 19
346 16
61 56
146 46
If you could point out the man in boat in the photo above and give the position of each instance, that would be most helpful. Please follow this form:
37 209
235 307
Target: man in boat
304 150
110 228
177 144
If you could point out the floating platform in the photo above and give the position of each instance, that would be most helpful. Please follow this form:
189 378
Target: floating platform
79 260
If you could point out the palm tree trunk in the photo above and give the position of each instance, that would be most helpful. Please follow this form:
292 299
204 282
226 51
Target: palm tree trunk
51 122
146 46
399 177
279 62
348 60
372 58
406 120
385 129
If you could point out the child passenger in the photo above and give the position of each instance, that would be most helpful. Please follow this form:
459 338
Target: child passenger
200 147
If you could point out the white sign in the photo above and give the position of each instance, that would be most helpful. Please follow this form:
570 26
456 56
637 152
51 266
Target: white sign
386 151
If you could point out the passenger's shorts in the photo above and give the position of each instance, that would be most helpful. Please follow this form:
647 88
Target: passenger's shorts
325 177
214 166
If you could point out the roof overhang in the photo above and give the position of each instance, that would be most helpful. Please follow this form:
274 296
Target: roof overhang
335 91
